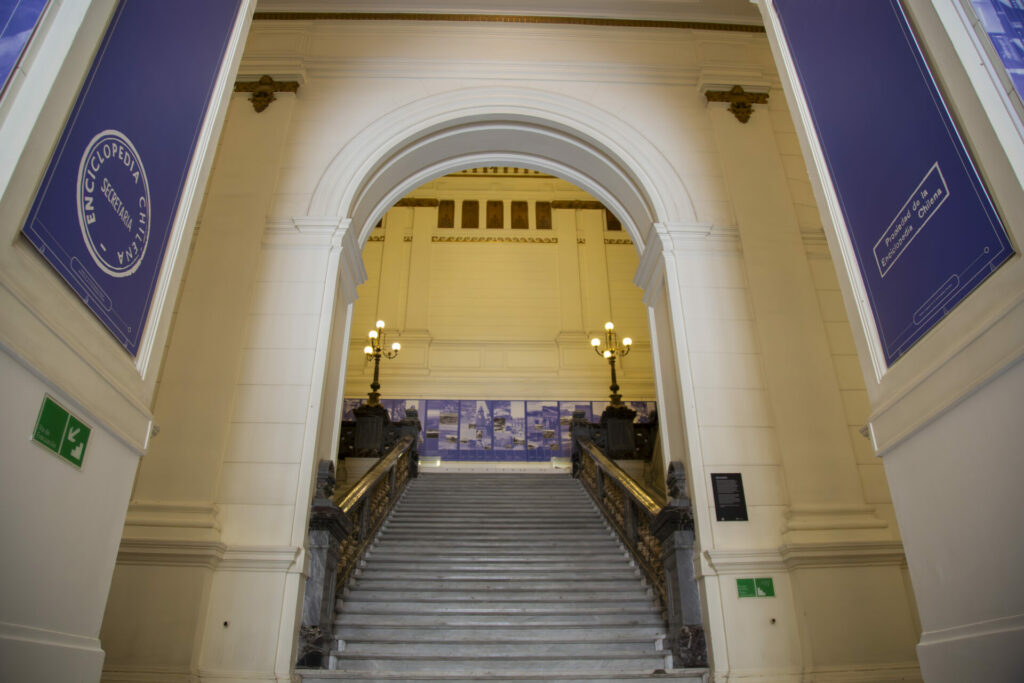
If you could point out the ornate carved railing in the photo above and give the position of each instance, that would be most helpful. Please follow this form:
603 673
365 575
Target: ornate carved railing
658 532
340 531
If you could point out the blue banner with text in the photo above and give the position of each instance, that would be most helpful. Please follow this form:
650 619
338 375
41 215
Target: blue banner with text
105 208
922 225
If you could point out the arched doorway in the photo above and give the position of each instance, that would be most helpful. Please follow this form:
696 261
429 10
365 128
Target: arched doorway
429 138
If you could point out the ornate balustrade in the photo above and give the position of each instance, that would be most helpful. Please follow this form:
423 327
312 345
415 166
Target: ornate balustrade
340 531
658 532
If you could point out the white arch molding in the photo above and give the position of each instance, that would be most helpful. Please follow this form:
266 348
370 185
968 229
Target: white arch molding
451 131
525 128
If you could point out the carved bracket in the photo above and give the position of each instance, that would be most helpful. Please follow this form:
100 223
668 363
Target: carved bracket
263 90
741 103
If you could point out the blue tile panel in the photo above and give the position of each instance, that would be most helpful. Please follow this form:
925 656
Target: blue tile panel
497 430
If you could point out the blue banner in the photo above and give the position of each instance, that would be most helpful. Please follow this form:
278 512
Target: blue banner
103 214
921 222
18 19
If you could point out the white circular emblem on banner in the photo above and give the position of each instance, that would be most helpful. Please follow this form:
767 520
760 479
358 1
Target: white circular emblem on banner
113 203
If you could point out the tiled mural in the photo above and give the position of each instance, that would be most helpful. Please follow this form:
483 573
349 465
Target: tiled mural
526 431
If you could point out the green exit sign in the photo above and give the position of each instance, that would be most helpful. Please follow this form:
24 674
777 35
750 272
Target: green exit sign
755 588
59 431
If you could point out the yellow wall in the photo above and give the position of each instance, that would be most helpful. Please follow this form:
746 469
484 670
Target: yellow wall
494 314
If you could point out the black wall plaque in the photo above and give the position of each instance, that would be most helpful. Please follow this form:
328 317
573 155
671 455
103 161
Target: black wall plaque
730 503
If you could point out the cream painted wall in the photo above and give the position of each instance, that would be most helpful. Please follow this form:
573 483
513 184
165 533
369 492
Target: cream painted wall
487 313
61 525
938 417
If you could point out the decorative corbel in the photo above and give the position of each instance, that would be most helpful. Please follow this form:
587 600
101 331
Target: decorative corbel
741 103
263 90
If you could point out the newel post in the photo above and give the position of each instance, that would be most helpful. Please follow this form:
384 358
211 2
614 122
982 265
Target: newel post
673 527
328 525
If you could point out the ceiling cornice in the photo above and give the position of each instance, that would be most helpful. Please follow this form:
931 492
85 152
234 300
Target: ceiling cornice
507 19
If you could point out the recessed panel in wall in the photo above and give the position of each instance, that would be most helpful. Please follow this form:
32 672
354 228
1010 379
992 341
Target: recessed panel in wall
920 220
106 206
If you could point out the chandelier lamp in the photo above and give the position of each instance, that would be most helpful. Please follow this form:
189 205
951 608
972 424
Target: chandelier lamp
611 350
374 351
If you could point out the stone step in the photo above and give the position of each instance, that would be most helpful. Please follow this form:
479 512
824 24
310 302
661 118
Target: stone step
512 529
496 565
630 592
520 547
528 633
681 676
500 520
623 573
354 606
401 553
645 617
514 519
444 648
460 534
499 666
418 583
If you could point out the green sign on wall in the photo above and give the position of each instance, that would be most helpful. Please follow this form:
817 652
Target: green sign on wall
61 432
755 588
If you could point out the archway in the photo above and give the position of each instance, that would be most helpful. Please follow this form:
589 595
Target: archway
567 138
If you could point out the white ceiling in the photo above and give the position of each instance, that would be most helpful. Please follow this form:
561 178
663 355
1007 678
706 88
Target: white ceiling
728 11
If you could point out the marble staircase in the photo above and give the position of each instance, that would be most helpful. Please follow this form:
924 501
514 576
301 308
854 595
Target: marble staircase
498 576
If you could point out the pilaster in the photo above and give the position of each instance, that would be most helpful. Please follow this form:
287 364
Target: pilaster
597 295
417 301
824 490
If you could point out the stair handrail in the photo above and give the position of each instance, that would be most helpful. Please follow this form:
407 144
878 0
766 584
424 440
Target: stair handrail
652 501
658 531
368 503
341 529
368 480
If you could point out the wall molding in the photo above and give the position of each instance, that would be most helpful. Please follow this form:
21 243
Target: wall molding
149 675
172 515
263 558
170 553
843 554
728 562
789 557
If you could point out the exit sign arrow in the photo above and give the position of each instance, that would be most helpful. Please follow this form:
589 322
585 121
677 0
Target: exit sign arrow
59 431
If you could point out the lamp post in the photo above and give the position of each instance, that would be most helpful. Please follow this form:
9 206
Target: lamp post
374 350
612 350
